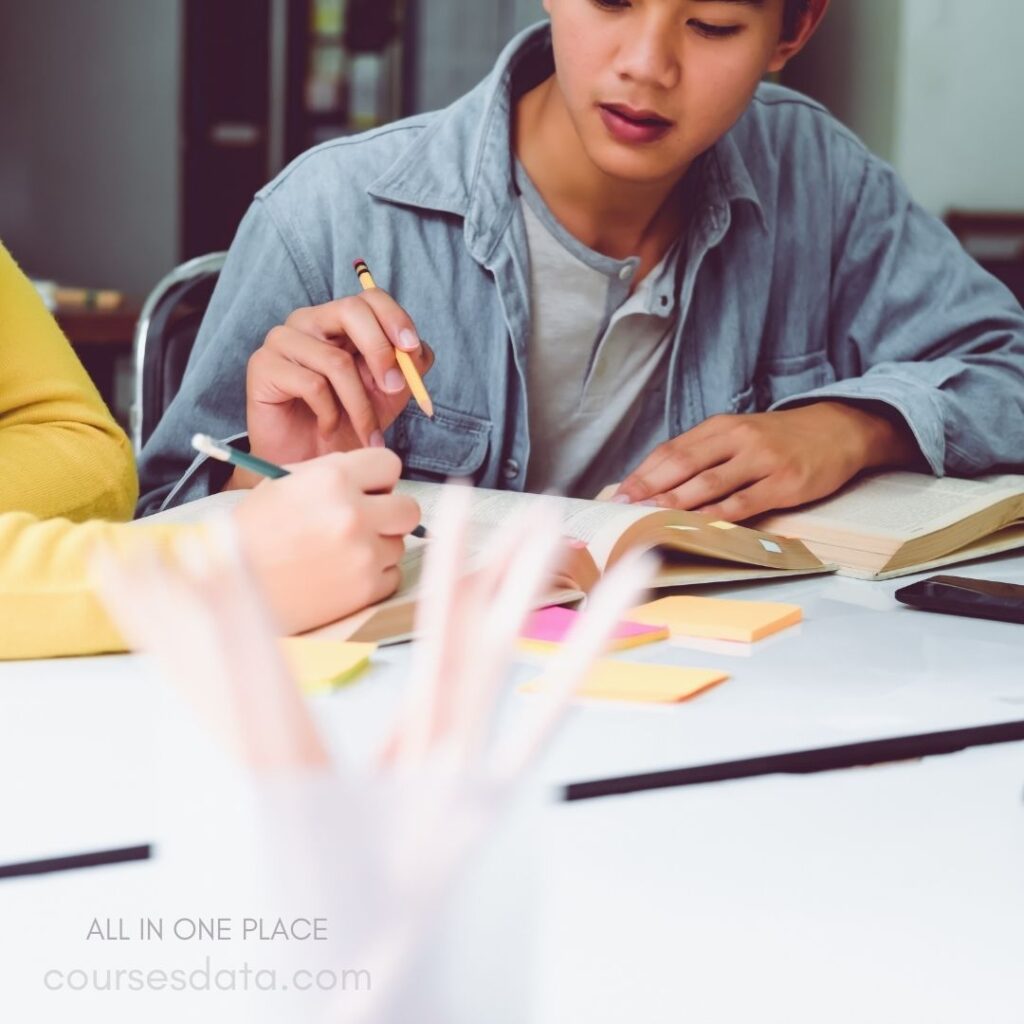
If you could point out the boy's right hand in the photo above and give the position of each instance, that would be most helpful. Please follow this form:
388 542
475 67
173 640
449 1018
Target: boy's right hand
326 540
327 380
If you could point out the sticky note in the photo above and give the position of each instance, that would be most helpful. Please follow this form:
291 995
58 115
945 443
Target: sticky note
722 525
549 626
321 665
640 683
718 619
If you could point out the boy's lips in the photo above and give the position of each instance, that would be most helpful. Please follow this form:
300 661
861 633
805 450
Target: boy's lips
629 125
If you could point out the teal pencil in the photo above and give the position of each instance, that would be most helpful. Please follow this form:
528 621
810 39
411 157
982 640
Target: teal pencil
225 453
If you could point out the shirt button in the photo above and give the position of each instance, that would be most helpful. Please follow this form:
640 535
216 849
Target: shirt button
625 273
664 300
510 470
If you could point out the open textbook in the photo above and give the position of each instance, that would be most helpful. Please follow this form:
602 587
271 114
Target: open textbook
694 550
892 524
879 526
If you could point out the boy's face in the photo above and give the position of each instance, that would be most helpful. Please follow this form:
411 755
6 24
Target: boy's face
651 84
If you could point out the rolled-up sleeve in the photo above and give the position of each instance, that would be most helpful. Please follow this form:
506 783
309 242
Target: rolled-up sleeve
917 325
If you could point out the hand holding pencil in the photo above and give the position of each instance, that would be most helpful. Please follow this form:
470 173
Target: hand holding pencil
333 378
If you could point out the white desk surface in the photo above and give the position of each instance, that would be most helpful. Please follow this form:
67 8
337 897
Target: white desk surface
891 893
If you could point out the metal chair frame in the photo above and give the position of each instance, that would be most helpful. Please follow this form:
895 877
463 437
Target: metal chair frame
145 354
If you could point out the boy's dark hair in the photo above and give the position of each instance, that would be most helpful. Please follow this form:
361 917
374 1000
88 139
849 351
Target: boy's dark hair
795 9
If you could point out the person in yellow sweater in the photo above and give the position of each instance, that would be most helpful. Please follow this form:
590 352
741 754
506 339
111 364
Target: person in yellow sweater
322 542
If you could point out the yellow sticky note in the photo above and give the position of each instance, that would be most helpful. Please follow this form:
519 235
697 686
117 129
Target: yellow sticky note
321 665
718 619
721 524
641 683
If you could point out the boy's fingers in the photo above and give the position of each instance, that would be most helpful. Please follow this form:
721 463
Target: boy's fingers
339 367
397 324
673 464
282 380
423 358
354 320
339 373
711 486
744 504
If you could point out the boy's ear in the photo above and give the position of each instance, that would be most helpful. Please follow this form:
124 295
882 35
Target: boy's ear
807 25
547 6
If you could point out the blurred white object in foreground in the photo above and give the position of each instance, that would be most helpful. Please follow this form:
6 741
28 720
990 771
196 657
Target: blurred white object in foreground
385 851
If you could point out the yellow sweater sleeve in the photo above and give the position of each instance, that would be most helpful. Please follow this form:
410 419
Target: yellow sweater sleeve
61 452
48 608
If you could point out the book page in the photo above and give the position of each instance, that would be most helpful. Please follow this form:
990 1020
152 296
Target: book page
196 511
599 525
894 506
1008 539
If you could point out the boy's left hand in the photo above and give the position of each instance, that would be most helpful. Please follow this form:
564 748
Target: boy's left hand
735 467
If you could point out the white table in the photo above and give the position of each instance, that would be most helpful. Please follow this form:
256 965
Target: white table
892 893
837 896
888 894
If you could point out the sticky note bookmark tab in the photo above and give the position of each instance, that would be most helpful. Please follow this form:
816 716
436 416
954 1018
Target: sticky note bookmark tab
718 619
323 665
640 683
546 628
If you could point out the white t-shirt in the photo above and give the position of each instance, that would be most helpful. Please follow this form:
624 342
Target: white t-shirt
595 354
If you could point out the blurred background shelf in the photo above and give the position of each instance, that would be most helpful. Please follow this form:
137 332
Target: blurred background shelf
264 80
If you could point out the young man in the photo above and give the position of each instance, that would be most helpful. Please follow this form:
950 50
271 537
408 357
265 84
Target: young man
633 262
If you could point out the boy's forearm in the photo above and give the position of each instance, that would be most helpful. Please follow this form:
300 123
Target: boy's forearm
879 437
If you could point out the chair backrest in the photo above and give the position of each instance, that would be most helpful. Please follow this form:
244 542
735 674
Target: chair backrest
164 336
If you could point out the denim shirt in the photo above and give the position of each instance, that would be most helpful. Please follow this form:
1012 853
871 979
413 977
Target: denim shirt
807 273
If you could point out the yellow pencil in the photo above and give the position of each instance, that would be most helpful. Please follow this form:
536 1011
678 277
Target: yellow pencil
405 363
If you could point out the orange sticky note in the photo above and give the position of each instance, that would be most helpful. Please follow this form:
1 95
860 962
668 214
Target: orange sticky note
640 682
718 619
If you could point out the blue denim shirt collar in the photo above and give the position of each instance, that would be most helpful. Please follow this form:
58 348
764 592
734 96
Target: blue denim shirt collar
728 181
441 172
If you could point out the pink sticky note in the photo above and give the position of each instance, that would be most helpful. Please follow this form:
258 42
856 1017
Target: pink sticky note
551 626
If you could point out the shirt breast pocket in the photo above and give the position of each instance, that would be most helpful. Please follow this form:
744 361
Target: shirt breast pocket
452 444
788 376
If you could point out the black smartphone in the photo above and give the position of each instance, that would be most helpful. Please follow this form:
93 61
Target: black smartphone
957 595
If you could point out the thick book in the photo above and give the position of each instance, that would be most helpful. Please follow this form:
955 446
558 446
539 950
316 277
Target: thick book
896 523
879 526
693 550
